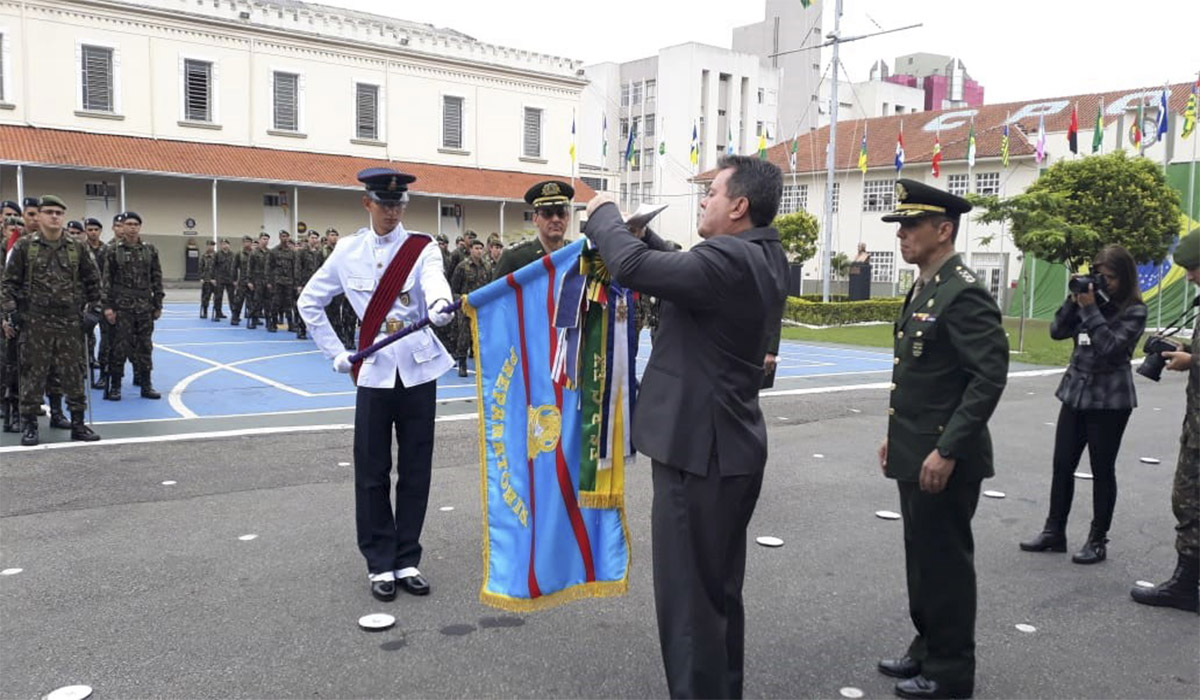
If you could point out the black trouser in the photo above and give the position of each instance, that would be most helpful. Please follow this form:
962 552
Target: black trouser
698 528
1100 431
939 560
392 541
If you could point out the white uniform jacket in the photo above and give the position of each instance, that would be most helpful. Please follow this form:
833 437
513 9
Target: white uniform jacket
354 268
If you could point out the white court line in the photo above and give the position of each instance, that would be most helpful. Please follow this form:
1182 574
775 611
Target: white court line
297 411
175 397
234 342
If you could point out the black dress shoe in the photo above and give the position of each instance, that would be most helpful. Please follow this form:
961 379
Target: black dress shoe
922 687
383 590
1046 541
416 585
903 667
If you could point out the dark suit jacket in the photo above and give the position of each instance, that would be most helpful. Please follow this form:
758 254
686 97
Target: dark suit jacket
721 300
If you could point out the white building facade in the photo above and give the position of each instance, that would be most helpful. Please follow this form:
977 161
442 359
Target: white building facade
787 28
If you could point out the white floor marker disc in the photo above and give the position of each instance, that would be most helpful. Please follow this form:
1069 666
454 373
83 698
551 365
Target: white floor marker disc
887 515
1022 627
768 541
818 455
1143 584
168 483
70 692
994 494
446 509
247 538
343 464
10 572
1150 460
849 692
1083 475
376 622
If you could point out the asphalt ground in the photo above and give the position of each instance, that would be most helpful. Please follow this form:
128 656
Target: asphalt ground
142 589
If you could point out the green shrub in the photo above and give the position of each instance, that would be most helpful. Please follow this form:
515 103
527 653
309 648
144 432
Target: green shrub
835 313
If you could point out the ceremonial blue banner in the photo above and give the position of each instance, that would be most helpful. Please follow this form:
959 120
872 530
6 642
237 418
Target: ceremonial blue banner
540 546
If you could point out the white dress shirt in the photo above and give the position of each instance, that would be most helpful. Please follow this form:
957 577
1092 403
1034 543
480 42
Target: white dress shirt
354 268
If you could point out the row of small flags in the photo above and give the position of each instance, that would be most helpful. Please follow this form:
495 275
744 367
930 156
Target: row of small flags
1135 137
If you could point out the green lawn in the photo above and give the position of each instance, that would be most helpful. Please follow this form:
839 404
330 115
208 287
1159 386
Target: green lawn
1039 348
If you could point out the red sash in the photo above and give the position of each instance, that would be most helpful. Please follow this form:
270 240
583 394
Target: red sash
387 290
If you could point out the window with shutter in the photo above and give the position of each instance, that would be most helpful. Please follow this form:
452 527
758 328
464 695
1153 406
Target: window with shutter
367 118
533 133
197 91
97 78
452 122
287 97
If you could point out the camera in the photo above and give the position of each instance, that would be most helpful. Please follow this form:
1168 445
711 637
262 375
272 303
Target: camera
1155 346
1079 284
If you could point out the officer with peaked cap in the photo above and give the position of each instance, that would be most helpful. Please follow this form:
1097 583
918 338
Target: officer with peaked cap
393 278
551 202
949 370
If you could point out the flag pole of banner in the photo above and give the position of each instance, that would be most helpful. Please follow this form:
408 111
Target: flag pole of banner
546 372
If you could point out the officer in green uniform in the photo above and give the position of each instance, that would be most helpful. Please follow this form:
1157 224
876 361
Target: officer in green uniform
208 261
1180 591
133 300
949 370
551 202
49 281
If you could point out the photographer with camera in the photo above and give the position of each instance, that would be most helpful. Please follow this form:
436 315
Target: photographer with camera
1180 591
1105 316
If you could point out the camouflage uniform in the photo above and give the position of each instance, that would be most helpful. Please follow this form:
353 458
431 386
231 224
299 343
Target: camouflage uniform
241 290
257 275
133 289
1185 496
468 276
9 367
308 261
207 259
97 254
49 283
281 276
224 272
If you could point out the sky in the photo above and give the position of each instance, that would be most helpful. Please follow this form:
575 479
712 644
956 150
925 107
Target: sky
1018 50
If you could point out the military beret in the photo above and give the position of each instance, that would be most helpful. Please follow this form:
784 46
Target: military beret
386 185
30 202
210 243
916 199
332 230
225 241
549 192
74 224
284 232
130 216
90 221
264 234
1187 253
10 204
50 200
247 239
443 238
476 242
471 234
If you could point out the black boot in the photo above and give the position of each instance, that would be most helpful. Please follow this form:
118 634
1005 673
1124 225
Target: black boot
1180 591
235 321
29 431
148 391
113 391
462 367
203 312
57 419
302 335
1052 538
12 419
101 382
1094 550
272 324
79 431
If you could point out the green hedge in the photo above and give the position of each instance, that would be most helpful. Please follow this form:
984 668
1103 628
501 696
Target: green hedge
834 313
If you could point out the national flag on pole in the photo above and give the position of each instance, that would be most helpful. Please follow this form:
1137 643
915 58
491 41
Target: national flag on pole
900 149
553 440
762 144
694 153
1098 131
1039 153
1004 144
1135 130
1073 129
604 138
629 155
806 3
937 155
1161 131
862 153
729 142
1189 112
662 148
792 151
572 139
971 145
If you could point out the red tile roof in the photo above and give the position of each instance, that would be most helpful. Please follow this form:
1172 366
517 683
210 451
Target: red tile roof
989 127
75 149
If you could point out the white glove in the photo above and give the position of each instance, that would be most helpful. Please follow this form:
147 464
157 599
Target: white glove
438 314
341 363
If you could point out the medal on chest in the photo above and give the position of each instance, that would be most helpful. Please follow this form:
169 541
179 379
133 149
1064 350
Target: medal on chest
918 348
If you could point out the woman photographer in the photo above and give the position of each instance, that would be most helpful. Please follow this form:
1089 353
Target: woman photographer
1106 322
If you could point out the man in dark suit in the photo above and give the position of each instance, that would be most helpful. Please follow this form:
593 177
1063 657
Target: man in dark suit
698 417
950 368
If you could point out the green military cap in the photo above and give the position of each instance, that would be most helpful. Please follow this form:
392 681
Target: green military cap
471 235
443 238
210 243
1187 253
549 192
50 200
247 239
225 240
916 199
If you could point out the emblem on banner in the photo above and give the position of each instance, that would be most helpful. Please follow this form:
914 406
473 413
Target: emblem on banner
545 428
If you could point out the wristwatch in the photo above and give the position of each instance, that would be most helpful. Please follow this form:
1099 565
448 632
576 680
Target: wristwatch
944 453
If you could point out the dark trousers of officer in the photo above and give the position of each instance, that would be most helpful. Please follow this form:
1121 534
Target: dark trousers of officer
698 527
939 558
390 536
224 289
132 340
1100 431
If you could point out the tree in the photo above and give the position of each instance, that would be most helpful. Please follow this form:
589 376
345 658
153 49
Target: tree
840 265
798 234
1076 207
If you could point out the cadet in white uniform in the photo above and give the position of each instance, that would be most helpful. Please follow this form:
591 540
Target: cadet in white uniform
397 386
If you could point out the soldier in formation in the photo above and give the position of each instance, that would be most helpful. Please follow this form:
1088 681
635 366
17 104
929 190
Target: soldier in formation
133 298
208 261
224 276
242 287
281 283
471 274
308 261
